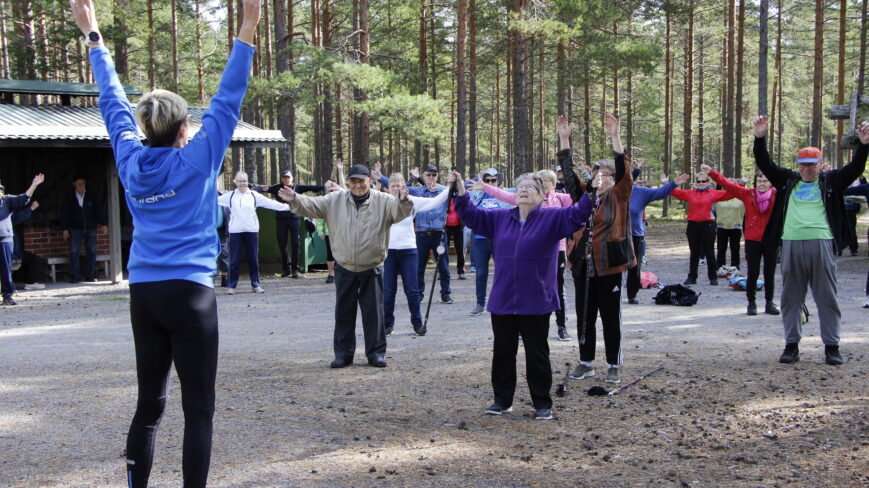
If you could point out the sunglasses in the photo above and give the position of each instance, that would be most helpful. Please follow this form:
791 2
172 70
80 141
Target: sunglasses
702 181
490 180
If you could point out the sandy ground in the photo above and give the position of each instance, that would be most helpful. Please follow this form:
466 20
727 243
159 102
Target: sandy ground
723 412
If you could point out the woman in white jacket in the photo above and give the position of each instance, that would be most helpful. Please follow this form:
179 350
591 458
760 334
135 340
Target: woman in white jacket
244 229
402 258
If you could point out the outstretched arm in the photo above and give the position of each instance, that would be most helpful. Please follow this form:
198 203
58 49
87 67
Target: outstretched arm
776 174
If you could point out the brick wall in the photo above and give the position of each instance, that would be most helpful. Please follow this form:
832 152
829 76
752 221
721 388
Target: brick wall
48 242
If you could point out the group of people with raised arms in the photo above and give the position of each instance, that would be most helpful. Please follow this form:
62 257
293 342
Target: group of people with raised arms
172 302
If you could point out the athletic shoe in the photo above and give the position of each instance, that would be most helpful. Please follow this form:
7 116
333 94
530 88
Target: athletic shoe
330 279
478 309
496 409
34 286
230 291
258 289
462 276
713 282
387 330
295 274
562 334
472 269
581 372
771 308
866 305
690 281
791 353
446 299
612 375
633 301
420 330
752 308
543 414
832 356
9 301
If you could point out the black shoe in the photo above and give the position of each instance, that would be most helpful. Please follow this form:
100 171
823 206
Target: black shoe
224 281
75 280
285 273
340 363
543 414
690 281
562 333
633 301
771 308
377 362
713 282
832 356
791 353
461 276
446 299
387 330
91 279
497 409
9 301
420 330
330 279
295 274
752 308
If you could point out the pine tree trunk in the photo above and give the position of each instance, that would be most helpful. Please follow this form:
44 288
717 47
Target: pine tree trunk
461 90
818 76
24 66
4 45
422 88
864 23
152 66
586 123
668 127
701 88
840 129
361 131
200 74
174 34
433 83
541 113
521 124
339 133
327 152
730 62
472 84
120 10
560 83
740 74
763 47
687 92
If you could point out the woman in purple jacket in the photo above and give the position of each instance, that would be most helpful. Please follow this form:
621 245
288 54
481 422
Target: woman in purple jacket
525 241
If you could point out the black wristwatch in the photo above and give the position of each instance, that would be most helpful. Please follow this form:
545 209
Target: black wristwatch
94 37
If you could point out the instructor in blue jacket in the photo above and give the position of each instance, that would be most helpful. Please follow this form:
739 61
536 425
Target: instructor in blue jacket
171 193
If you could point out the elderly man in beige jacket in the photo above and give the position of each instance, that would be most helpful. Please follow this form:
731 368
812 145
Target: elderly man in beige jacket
359 222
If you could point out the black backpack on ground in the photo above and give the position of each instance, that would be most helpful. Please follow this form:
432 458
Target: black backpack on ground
677 295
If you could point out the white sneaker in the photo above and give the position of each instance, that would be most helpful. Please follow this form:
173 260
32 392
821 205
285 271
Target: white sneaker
34 286
230 291
259 289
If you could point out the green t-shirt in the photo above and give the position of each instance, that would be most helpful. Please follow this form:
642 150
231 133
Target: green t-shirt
806 218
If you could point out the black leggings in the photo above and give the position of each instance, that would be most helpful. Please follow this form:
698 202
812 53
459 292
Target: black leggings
725 237
456 233
560 314
634 283
289 261
604 297
173 321
701 242
754 250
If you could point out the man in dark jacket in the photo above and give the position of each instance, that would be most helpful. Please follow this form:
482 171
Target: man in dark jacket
288 222
81 213
808 218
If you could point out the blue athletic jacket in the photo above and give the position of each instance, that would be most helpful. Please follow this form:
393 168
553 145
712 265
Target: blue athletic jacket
172 193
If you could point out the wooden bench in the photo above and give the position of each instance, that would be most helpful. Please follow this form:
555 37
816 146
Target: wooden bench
53 262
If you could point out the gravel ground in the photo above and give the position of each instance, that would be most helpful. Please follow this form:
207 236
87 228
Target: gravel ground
723 412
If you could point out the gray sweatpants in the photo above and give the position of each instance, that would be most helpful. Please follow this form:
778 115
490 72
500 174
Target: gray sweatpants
809 263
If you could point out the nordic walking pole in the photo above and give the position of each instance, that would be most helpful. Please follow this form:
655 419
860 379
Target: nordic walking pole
433 283
650 373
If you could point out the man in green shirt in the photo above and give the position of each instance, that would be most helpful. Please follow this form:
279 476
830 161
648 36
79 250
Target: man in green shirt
809 220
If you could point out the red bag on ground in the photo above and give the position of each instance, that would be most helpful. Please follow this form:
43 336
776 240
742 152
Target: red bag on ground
648 279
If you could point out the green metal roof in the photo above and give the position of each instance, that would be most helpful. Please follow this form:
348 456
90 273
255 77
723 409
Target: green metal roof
32 87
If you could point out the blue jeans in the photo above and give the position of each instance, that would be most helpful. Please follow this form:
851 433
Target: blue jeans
6 284
481 252
249 242
403 261
75 238
429 242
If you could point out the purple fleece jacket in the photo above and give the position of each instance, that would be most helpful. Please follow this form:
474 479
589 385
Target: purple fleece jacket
526 255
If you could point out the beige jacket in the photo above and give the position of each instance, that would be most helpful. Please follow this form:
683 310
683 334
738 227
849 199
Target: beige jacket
359 238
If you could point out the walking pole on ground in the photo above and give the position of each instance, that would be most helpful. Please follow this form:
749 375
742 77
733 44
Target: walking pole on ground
440 249
659 368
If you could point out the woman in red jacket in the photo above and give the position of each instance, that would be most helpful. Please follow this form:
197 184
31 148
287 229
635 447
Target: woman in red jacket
758 207
701 225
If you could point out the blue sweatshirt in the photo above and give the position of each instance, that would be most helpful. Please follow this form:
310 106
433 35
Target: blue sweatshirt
172 193
642 196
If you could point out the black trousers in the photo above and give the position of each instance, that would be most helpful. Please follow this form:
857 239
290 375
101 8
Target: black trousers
456 233
754 251
283 227
559 314
731 236
853 244
634 284
701 242
363 289
534 330
174 321
605 297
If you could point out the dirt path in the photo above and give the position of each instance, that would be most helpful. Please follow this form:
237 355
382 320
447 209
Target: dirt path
722 413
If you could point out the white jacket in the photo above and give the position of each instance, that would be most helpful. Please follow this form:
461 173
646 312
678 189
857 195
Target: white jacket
242 208
402 235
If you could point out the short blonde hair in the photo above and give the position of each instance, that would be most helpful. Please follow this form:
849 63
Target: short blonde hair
240 175
548 174
160 114
396 177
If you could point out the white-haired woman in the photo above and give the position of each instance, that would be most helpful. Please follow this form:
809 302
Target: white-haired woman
170 190
244 229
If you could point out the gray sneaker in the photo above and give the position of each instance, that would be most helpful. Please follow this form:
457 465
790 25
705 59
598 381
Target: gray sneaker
612 375
478 309
582 372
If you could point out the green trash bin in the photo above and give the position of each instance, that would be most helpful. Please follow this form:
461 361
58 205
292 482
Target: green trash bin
313 244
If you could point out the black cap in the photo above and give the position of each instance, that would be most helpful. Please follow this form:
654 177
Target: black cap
430 167
359 171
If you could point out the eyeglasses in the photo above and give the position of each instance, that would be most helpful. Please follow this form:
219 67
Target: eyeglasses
526 187
490 180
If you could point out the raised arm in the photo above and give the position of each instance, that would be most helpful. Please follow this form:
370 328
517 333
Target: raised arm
311 207
339 167
270 204
776 174
500 194
423 204
847 174
730 187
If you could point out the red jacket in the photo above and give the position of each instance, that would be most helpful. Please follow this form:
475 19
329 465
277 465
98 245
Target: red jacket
755 222
700 203
452 217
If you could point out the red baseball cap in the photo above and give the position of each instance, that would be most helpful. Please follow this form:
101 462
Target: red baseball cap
810 155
